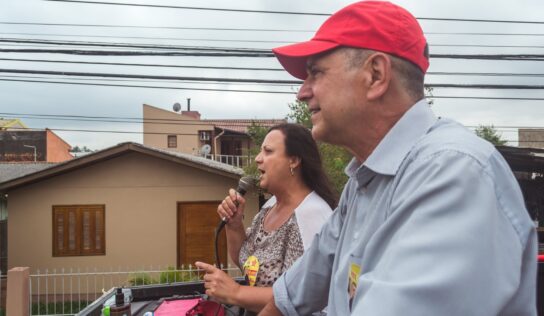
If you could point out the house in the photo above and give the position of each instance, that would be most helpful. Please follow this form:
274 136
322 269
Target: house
528 167
10 171
531 137
32 145
224 140
129 205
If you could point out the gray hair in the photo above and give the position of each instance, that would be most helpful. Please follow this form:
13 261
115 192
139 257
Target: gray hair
409 75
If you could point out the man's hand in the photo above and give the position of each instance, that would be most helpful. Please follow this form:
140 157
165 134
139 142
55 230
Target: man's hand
218 284
270 310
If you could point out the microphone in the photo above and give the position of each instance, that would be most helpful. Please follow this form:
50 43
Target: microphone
244 184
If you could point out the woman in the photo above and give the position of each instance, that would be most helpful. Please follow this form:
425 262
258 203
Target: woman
290 167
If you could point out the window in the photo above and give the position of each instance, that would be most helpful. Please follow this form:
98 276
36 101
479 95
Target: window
205 135
172 141
78 230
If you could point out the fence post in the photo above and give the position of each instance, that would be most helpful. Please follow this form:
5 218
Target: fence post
18 296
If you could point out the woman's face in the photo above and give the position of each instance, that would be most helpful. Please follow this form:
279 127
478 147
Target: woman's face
272 161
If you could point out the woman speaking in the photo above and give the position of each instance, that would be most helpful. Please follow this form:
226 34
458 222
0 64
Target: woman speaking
291 170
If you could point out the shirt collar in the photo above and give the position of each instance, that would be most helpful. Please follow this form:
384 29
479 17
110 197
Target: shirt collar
397 143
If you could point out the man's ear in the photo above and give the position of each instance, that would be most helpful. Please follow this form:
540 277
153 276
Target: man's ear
379 66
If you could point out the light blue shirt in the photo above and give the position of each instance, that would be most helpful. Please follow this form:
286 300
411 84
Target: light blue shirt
436 223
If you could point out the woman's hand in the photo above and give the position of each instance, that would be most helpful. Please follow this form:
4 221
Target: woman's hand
218 284
231 209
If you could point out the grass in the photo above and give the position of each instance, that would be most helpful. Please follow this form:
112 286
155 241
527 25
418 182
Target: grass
170 276
57 308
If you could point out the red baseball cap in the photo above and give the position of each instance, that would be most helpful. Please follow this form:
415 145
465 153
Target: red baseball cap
375 25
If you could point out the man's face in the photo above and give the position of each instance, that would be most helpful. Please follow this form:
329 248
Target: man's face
334 93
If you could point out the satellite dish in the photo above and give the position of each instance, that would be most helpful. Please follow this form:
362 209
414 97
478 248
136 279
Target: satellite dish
176 107
205 150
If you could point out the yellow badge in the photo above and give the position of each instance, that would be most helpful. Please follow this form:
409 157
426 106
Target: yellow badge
353 280
251 268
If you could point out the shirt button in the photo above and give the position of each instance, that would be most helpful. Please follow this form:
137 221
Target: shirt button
356 235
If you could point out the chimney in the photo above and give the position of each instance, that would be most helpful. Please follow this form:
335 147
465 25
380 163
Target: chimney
193 114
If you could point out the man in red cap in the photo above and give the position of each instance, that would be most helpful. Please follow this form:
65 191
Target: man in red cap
432 220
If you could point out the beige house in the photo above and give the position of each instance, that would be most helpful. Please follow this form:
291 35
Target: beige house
531 137
129 205
225 140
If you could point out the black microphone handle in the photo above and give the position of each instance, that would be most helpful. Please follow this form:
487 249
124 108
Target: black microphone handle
240 190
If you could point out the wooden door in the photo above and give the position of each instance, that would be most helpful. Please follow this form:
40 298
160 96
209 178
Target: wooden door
197 222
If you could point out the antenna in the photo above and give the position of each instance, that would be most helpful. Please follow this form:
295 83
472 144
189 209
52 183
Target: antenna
176 107
205 150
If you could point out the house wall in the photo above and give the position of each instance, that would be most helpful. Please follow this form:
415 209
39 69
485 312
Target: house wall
12 145
531 138
57 149
187 130
140 194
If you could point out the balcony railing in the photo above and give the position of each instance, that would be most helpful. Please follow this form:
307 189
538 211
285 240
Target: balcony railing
237 161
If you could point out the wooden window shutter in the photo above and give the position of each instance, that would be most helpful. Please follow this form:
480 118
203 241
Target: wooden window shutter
78 230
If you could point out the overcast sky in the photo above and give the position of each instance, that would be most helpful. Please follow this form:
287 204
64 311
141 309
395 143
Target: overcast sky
60 99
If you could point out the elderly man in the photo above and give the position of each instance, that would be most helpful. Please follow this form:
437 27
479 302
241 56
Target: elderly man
432 220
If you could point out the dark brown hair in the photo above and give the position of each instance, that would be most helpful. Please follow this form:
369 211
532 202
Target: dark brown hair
299 143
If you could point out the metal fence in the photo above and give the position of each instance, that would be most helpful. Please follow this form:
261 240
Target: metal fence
237 161
67 291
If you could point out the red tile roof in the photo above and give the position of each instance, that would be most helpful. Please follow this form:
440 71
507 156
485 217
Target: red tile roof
242 125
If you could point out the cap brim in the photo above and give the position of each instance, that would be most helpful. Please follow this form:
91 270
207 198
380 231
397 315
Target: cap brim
293 57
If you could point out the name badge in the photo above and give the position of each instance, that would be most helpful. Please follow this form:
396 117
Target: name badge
251 268
353 281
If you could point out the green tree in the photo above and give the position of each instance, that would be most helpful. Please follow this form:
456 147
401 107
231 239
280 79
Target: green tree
257 133
489 133
300 113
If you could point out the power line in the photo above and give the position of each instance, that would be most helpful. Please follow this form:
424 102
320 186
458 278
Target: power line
482 34
484 98
160 27
102 131
148 87
240 80
232 122
135 120
177 47
142 65
135 53
182 134
109 75
485 46
245 29
483 74
280 12
437 73
191 8
131 45
257 54
249 91
153 38
148 81
122 120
